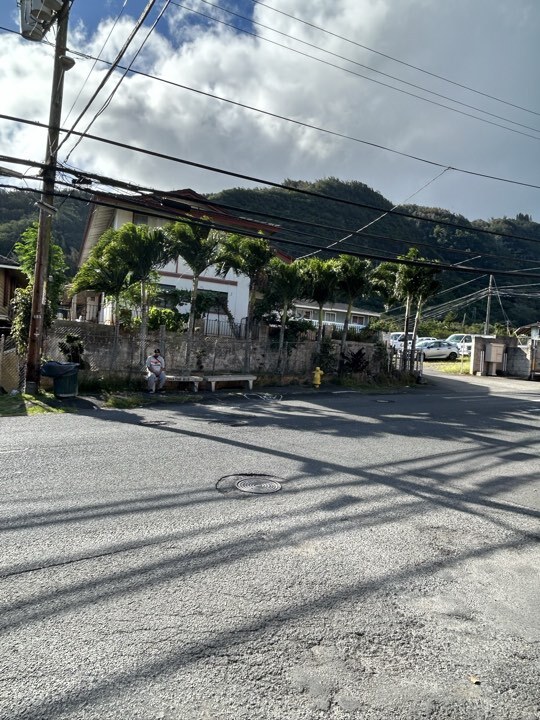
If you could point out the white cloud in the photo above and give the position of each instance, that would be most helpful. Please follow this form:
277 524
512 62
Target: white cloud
485 44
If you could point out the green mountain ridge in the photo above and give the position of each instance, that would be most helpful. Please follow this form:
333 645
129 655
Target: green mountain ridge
308 222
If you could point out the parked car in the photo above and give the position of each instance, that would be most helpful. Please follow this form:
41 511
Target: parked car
464 341
437 350
396 340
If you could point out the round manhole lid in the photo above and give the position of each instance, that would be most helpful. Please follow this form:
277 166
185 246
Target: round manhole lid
259 485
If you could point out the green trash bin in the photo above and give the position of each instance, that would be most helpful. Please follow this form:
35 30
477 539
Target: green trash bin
65 378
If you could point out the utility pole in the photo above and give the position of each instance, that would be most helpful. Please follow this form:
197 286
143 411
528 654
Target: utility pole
46 205
488 306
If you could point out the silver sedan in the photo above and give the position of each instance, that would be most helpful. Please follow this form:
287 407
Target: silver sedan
437 350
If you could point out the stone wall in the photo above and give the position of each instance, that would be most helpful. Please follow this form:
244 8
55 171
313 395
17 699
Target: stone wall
203 355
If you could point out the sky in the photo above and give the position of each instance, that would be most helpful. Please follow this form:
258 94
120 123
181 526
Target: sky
338 73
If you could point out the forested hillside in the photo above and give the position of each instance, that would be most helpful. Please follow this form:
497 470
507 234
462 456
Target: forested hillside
18 211
306 220
395 233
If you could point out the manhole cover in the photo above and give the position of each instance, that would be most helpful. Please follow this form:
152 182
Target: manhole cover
256 483
260 485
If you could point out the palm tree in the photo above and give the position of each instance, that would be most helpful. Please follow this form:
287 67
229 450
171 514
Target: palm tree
284 284
247 256
197 245
353 282
144 250
413 284
320 284
105 271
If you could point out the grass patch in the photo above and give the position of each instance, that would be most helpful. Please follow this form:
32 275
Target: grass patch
381 384
23 404
129 400
455 367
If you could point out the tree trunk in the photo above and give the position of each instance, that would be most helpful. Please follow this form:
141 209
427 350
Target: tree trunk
415 331
247 351
282 333
144 322
116 324
191 321
320 331
344 337
406 338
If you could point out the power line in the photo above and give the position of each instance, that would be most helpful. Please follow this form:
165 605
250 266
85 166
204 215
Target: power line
107 102
370 255
115 62
394 59
96 59
333 133
376 220
317 128
354 62
282 186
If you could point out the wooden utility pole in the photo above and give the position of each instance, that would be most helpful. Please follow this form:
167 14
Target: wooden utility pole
46 206
488 306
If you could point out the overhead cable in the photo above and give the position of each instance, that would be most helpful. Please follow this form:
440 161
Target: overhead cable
254 179
309 126
400 260
107 102
394 59
109 72
353 62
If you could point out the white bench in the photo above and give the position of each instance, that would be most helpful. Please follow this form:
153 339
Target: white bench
194 380
213 379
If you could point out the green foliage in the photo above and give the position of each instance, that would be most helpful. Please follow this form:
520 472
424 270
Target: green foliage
354 362
18 211
72 349
295 330
21 304
105 269
247 256
196 244
325 358
171 319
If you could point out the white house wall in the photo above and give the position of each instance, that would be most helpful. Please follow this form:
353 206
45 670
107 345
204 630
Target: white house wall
180 276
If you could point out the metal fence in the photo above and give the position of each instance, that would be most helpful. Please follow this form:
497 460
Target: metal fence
11 369
107 354
104 352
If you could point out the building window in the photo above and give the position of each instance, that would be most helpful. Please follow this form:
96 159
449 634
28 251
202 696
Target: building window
139 219
330 317
358 320
308 314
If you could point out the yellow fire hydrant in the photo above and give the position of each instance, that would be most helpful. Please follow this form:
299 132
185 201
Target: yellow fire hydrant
317 375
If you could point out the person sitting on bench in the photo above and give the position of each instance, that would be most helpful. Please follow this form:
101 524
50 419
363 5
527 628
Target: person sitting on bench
155 368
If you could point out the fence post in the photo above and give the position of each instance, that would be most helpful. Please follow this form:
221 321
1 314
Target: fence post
2 344
162 340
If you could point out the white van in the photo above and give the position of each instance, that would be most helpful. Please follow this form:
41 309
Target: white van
464 341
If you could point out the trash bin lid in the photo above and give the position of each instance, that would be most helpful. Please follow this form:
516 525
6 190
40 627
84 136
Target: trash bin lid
57 369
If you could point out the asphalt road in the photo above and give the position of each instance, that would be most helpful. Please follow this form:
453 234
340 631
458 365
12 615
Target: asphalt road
394 576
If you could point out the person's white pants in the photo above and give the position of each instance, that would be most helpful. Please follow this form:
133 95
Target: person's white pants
153 379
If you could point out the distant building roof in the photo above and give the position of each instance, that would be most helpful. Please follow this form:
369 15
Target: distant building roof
8 263
527 328
184 205
339 307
